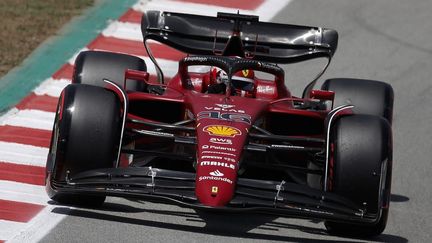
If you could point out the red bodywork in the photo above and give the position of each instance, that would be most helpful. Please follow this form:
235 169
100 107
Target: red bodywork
222 124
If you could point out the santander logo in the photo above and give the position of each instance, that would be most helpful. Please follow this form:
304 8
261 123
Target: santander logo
216 173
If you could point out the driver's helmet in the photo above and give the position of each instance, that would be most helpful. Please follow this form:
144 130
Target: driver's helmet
244 82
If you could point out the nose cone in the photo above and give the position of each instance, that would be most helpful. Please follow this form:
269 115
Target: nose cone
222 129
219 150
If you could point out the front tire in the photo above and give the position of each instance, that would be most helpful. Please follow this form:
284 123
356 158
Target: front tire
360 170
85 136
369 97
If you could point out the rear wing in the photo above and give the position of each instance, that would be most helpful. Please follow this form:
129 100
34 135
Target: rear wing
239 35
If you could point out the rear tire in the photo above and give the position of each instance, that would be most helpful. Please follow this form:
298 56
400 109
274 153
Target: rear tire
362 151
85 136
368 96
91 67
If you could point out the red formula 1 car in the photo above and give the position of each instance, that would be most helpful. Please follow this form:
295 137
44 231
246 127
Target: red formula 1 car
225 133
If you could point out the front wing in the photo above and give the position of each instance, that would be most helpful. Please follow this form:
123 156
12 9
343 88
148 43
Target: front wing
271 197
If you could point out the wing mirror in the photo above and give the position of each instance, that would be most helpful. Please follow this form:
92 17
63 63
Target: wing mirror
322 95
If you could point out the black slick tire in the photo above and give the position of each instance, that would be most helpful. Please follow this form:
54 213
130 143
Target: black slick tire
369 97
85 137
360 170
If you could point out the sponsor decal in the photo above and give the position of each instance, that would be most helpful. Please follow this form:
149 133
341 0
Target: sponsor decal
215 163
157 134
215 178
196 81
224 106
230 160
245 72
217 152
229 109
221 130
196 59
266 89
214 190
218 148
216 173
218 157
221 141
210 157
287 146
225 116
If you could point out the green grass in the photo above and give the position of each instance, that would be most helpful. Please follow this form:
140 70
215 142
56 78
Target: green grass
24 24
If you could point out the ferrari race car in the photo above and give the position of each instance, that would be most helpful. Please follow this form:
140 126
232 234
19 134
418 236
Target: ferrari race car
225 133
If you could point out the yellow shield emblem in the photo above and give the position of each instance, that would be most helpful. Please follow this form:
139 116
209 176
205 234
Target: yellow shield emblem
221 130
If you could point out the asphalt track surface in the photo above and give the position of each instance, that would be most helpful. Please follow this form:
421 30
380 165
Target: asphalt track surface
387 40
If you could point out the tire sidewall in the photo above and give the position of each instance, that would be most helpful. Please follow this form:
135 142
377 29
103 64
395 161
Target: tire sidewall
85 135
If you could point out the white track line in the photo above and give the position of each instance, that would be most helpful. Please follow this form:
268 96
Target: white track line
170 68
185 7
123 30
23 154
22 192
266 11
270 8
52 87
39 226
36 119
9 229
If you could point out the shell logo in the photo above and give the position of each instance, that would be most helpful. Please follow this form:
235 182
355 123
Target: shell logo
223 131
